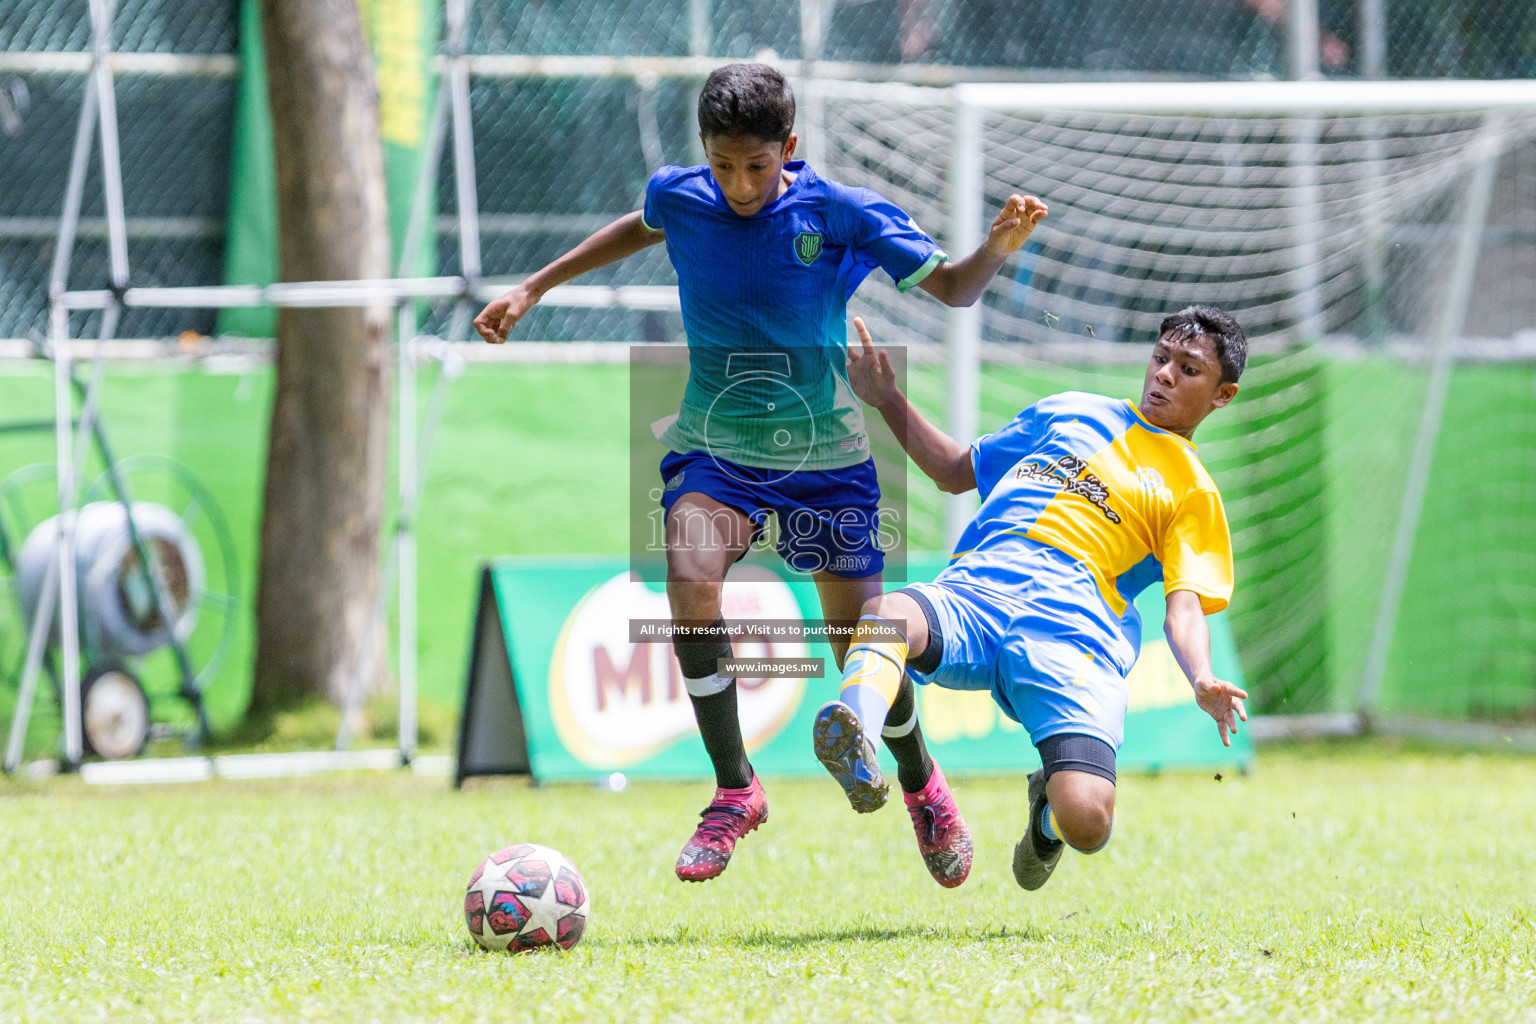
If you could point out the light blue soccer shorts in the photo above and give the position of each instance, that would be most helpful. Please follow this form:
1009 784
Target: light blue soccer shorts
1039 635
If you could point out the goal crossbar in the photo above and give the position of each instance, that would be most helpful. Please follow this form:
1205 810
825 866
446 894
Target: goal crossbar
1361 98
1256 98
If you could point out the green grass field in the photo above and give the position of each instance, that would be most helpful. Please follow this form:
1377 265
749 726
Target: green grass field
1334 883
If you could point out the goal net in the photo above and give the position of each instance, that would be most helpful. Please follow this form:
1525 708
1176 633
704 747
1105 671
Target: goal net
1375 241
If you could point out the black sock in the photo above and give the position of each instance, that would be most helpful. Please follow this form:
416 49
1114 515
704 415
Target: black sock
913 765
699 655
720 725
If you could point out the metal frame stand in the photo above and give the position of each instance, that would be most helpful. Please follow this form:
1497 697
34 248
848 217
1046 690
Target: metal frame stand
59 582
98 112
452 103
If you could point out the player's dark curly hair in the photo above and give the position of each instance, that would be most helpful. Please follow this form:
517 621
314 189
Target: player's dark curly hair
1224 332
741 100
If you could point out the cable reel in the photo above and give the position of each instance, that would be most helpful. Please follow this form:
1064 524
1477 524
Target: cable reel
119 611
123 621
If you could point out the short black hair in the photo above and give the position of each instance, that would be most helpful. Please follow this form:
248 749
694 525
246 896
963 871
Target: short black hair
740 100
1224 332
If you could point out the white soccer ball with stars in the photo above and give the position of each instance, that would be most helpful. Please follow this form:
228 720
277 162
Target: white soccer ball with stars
526 897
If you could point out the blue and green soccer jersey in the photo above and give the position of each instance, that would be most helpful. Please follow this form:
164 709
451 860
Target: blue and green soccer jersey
764 302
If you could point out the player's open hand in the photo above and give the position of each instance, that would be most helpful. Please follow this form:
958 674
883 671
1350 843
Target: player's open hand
1012 228
869 371
1223 702
496 320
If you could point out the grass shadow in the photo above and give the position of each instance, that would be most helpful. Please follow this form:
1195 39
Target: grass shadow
765 938
880 934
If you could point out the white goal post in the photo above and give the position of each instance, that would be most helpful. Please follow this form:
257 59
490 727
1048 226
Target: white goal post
1270 199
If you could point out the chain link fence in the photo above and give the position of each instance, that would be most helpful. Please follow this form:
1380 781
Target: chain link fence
561 152
139 26
175 126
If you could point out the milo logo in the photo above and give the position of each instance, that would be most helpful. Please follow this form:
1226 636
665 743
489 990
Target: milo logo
617 703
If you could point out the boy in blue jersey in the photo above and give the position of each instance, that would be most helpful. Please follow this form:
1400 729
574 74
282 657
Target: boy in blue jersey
767 253
1085 501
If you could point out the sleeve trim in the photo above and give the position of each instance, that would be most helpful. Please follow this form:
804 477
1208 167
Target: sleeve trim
648 225
915 278
1210 602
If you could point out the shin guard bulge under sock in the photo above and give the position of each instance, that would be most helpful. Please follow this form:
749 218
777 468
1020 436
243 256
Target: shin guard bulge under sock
903 736
872 671
714 703
1048 825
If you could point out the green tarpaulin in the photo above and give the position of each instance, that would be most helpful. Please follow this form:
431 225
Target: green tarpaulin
591 702
403 36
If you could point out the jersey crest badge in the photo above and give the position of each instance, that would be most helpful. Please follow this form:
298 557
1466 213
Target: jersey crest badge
807 246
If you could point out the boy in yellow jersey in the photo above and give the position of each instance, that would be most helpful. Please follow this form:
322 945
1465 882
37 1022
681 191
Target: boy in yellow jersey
1085 501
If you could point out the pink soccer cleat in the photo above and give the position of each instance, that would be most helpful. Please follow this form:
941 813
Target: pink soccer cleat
732 814
942 837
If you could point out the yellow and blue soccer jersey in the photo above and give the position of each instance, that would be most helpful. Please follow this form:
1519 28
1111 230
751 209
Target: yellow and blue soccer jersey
1091 477
1084 505
764 301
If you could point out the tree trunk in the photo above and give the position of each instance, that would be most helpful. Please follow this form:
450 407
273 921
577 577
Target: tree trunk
319 573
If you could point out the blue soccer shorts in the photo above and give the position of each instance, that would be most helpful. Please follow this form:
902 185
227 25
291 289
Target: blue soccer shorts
1042 640
828 519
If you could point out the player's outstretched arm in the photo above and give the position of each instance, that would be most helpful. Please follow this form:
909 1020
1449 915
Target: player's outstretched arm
944 460
961 283
1190 639
624 237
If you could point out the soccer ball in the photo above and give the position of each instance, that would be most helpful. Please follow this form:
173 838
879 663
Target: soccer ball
526 897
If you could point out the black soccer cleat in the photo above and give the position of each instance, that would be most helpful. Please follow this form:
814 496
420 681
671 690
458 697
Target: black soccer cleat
1031 867
845 752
